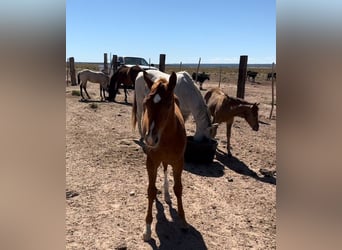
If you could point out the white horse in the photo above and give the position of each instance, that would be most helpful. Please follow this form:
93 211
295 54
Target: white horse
190 101
93 76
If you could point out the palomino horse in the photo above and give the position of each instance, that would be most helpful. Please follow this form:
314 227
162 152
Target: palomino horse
224 108
126 76
190 99
93 76
164 131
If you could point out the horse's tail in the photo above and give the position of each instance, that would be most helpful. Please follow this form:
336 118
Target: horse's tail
78 78
207 96
134 111
112 88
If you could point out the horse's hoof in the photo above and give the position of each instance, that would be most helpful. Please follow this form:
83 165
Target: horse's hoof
167 198
184 226
146 236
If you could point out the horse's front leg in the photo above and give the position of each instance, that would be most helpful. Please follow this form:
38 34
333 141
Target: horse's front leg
178 189
125 89
166 185
101 93
104 93
152 192
228 132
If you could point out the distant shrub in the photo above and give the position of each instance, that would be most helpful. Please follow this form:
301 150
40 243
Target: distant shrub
75 93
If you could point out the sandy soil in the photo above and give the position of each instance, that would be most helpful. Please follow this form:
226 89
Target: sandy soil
229 204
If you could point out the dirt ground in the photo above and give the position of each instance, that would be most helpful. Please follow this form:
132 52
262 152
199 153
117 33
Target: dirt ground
229 204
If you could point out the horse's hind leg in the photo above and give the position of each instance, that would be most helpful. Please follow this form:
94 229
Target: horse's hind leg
178 189
152 192
85 90
166 185
81 87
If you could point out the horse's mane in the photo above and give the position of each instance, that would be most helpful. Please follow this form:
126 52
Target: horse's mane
235 101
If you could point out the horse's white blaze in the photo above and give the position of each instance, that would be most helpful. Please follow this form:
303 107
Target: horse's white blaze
156 98
152 127
149 138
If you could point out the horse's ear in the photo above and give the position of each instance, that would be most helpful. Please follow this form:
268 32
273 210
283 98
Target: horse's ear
148 81
256 106
172 81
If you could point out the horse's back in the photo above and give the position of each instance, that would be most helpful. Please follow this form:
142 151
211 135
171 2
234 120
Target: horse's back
93 76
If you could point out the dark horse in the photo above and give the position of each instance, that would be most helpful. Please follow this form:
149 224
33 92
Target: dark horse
125 76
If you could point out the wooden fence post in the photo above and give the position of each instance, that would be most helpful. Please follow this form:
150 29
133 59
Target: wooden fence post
242 77
272 91
114 63
162 62
198 65
72 71
220 75
105 63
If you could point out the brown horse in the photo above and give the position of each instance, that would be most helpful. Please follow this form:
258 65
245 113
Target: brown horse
124 75
165 137
224 108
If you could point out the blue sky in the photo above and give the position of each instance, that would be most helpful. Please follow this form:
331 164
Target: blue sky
218 31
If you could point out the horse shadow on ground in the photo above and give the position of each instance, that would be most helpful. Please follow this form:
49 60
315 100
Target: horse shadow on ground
171 236
209 169
124 103
240 167
91 101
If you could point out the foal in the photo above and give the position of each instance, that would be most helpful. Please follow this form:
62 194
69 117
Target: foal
224 108
93 76
165 138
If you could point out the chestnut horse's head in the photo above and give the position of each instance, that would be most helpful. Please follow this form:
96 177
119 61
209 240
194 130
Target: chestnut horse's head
251 117
158 105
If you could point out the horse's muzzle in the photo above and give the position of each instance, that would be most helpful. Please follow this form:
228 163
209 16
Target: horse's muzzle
256 127
152 140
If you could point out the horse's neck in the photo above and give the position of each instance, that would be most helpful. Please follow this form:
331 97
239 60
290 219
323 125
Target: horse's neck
239 110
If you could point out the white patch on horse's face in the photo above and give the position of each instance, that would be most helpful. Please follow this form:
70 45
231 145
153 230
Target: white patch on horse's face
156 98
152 127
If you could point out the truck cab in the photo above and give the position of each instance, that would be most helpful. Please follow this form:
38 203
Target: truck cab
131 61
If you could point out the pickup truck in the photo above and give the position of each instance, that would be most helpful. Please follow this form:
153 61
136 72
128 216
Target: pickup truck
131 61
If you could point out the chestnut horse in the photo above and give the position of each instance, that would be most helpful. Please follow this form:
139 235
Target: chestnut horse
126 76
165 137
224 108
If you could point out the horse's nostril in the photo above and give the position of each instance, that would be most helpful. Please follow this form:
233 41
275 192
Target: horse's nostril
156 140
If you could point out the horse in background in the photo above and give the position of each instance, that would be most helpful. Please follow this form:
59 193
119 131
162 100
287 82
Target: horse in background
251 74
201 77
269 76
124 75
224 108
93 76
165 136
190 99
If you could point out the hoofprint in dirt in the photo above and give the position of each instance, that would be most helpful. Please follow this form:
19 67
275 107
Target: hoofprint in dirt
229 204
